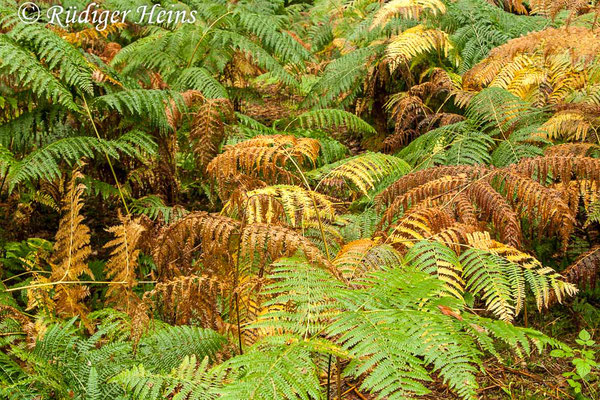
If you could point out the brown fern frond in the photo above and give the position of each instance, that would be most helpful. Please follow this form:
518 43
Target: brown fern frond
208 129
537 202
268 158
173 113
414 179
563 168
198 234
571 149
584 271
496 208
89 36
122 264
268 243
185 299
71 251
434 188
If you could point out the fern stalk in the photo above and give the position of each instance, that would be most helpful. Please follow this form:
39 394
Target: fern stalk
87 109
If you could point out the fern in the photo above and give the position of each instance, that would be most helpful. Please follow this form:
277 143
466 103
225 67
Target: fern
152 104
327 119
360 173
19 62
190 380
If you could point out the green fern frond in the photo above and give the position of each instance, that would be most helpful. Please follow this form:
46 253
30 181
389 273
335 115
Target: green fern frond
331 119
436 259
146 104
14 60
198 78
190 380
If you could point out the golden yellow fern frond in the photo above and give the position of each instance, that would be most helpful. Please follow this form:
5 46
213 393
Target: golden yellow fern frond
71 251
414 42
569 125
544 281
268 204
122 264
544 67
410 9
361 256
361 173
417 225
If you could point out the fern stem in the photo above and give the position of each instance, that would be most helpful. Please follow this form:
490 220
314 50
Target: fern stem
38 285
87 109
328 376
202 38
314 202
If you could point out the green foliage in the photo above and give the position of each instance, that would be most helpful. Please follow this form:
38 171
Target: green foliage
331 119
584 361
